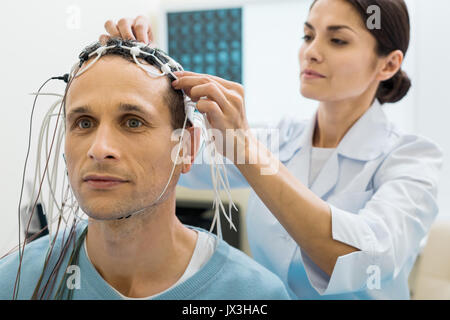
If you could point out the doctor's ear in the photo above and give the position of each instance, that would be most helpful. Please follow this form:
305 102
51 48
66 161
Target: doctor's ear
191 147
391 64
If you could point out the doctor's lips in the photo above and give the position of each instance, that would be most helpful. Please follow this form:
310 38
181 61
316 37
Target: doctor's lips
102 182
311 74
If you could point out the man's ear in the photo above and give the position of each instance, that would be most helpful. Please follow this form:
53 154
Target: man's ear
193 146
391 65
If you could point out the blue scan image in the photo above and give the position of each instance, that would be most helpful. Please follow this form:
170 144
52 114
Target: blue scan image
207 41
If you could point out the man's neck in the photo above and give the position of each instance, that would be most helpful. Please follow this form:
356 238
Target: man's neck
144 254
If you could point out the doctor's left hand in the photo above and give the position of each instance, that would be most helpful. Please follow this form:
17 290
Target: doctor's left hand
222 101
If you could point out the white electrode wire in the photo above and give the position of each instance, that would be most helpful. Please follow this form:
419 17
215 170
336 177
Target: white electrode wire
38 176
226 187
50 173
47 94
218 182
137 50
176 159
150 72
64 207
134 51
41 133
53 174
50 181
99 52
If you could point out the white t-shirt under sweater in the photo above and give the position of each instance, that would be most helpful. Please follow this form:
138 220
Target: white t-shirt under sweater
203 251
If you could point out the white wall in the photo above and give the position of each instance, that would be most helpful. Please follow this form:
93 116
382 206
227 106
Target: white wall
42 43
432 84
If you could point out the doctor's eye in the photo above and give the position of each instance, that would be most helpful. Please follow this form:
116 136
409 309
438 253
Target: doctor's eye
306 38
339 42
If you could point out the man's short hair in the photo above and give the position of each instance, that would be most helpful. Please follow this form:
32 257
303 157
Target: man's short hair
173 98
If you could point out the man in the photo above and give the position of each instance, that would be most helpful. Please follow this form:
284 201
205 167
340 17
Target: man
118 150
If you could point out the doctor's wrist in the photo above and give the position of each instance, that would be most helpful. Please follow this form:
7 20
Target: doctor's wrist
250 152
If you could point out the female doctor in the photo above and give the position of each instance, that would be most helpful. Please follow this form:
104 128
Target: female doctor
352 198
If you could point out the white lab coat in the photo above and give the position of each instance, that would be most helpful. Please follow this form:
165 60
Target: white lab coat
381 186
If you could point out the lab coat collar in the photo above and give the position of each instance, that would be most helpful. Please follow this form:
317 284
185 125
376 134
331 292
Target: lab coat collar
364 141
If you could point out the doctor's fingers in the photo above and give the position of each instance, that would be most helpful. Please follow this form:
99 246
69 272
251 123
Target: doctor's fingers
142 30
230 85
211 109
123 29
127 28
104 39
197 88
112 29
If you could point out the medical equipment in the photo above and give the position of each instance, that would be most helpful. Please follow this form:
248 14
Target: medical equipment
69 208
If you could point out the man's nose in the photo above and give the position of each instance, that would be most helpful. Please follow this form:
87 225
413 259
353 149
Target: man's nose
104 145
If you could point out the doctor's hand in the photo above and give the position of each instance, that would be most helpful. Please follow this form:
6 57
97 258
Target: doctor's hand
130 29
223 103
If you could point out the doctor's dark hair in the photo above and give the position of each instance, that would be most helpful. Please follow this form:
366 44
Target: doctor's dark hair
393 35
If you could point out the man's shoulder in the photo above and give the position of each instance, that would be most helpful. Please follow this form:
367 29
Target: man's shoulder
248 267
33 258
35 255
249 276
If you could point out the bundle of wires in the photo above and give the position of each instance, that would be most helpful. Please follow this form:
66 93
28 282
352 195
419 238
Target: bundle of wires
67 211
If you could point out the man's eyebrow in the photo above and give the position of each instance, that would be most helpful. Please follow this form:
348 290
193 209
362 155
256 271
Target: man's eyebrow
78 110
331 28
123 107
127 107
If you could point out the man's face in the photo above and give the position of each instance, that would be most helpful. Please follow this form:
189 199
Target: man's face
107 135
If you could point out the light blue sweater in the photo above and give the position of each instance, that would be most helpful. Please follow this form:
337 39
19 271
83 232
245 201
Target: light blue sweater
228 275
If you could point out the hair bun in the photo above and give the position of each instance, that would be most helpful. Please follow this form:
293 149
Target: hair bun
394 89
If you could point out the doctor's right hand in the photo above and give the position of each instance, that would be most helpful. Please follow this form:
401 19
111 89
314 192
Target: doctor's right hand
127 28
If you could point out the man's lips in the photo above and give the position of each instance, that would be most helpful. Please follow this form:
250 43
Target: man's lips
103 178
103 182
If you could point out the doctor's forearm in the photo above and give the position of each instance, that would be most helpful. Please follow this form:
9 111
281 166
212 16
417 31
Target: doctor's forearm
305 216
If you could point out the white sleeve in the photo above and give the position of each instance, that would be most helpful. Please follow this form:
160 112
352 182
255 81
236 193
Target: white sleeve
389 229
275 136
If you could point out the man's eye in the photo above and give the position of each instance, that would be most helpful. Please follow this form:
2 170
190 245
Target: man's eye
134 123
306 38
84 124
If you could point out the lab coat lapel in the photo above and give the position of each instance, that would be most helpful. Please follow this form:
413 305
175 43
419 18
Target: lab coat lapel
299 162
364 142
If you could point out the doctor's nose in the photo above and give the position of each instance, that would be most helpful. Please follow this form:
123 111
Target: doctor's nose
103 147
312 52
